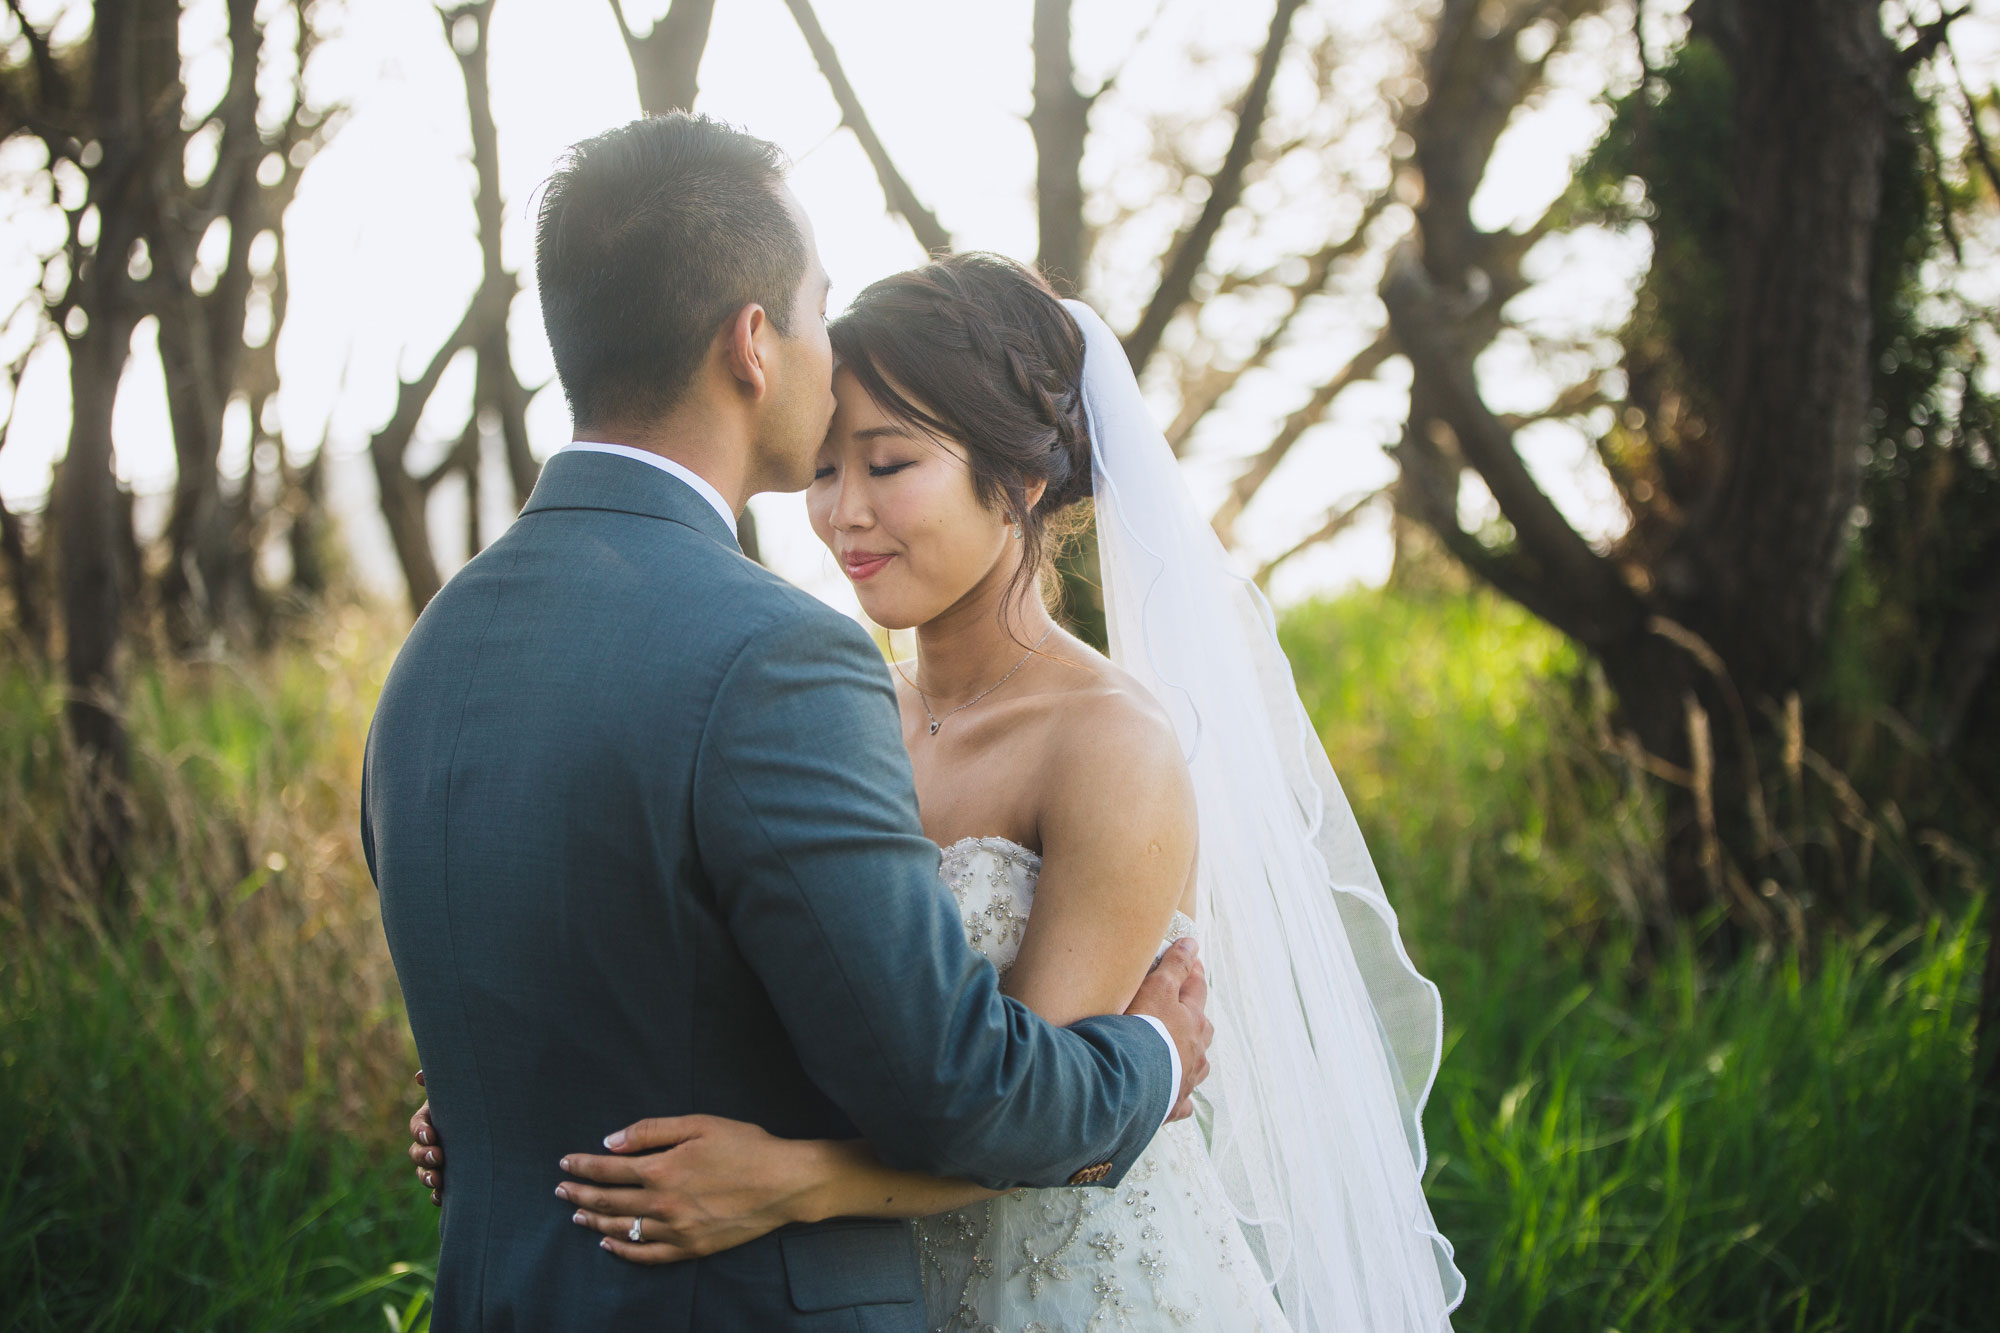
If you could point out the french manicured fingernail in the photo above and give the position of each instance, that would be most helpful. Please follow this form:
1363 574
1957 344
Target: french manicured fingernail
577 1217
564 1164
615 1141
424 1137
604 1244
430 1159
562 1192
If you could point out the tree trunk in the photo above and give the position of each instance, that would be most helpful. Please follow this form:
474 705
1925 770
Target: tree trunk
403 500
135 64
22 582
88 517
201 343
1812 111
1060 122
191 588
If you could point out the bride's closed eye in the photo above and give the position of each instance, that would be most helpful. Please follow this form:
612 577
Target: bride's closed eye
874 470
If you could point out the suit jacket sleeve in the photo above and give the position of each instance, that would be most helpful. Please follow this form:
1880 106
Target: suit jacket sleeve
806 825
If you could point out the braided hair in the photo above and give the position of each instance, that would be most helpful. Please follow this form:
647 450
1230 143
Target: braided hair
978 348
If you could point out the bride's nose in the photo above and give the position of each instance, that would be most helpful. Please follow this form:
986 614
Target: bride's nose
851 509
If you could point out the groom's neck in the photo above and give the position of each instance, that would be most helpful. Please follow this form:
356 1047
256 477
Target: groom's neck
706 448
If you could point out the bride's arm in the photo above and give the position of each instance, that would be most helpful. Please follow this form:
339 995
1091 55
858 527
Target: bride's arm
1117 822
723 1182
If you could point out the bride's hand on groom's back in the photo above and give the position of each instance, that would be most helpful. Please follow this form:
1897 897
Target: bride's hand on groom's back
1176 993
725 1183
427 1151
719 1184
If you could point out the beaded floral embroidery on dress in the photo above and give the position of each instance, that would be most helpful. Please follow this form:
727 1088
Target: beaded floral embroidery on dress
1161 1251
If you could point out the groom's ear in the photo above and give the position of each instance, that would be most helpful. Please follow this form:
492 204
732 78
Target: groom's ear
746 348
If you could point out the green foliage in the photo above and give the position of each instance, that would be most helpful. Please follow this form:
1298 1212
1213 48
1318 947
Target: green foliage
200 1107
201 1112
1782 1143
1480 698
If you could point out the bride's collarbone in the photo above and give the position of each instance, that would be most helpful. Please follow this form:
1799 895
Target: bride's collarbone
992 731
980 784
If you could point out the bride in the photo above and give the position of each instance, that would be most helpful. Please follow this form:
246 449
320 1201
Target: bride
975 412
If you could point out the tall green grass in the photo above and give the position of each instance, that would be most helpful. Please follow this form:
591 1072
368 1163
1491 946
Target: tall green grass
202 1093
202 1100
1769 1145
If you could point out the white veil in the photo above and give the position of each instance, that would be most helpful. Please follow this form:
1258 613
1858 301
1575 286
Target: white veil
1327 1038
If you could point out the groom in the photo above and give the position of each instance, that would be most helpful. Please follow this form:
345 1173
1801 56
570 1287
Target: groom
643 828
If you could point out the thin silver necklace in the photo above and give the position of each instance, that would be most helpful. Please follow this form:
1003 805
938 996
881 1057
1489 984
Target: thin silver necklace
925 699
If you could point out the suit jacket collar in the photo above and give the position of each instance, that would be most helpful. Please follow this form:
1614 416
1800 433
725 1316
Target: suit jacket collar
574 479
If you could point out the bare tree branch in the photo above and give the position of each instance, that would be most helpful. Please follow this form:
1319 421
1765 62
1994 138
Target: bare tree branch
1434 507
1422 327
1199 397
497 387
1575 400
1929 37
1980 148
1476 78
412 396
666 61
1364 365
49 80
51 114
402 496
1190 251
901 199
1338 520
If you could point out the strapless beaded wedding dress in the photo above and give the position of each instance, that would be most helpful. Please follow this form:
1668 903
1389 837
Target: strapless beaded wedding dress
1162 1251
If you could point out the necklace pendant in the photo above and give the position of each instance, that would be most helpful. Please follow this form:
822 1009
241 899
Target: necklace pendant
934 727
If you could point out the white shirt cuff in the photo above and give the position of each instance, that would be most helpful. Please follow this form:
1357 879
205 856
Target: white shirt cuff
1174 1056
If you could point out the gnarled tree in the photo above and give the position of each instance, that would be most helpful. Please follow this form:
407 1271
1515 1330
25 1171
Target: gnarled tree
1750 368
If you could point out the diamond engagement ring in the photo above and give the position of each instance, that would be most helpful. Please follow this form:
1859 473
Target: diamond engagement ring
633 1234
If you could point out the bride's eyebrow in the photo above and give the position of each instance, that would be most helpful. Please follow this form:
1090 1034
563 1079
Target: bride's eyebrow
885 432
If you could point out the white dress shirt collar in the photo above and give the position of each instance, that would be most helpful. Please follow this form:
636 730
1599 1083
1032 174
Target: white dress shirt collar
668 466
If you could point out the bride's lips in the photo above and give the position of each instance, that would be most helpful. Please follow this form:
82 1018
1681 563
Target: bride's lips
860 565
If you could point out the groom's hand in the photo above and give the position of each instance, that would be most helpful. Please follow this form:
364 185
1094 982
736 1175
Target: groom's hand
1176 993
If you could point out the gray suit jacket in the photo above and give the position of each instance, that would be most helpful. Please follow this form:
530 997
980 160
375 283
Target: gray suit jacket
647 844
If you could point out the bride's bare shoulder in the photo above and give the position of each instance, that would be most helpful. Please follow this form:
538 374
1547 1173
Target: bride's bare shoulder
1109 741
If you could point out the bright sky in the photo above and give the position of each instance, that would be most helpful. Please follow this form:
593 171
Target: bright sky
382 254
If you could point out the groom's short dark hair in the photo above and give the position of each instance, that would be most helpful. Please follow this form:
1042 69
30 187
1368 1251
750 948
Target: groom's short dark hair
650 236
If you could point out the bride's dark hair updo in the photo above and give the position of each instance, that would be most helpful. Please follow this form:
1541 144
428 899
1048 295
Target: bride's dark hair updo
978 348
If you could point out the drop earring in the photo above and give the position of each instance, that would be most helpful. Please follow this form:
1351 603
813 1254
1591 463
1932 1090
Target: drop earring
1017 532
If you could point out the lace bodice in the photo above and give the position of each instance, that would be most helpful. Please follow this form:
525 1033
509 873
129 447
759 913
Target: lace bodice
1161 1251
